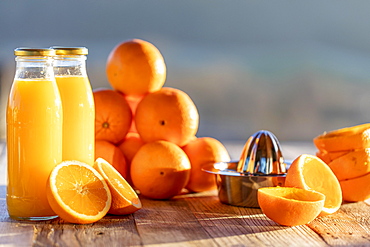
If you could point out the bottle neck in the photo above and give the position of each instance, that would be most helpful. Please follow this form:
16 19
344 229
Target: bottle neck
34 67
70 65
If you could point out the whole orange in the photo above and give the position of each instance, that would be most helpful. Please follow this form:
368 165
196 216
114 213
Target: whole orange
160 170
130 145
113 155
136 67
113 115
168 114
203 151
133 101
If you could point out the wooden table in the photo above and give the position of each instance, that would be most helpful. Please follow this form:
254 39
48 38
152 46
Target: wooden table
190 220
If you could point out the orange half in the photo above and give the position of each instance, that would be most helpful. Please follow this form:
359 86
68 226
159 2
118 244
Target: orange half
290 206
351 165
328 157
356 189
311 173
78 193
355 137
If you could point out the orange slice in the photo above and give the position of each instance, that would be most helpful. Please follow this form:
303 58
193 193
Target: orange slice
356 137
311 173
351 165
78 193
124 198
356 189
290 206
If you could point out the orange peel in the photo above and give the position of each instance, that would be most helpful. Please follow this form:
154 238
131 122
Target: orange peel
351 165
124 198
356 189
349 138
290 206
311 173
78 193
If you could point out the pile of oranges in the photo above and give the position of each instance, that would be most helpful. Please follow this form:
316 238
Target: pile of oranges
148 131
145 138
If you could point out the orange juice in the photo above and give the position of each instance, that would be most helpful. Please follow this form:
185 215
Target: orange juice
34 140
78 118
78 103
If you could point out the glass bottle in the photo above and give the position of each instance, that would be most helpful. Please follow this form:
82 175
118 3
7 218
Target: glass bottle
78 104
34 134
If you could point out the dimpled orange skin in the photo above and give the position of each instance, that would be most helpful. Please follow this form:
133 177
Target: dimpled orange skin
290 206
351 165
202 151
356 189
160 170
345 139
136 67
168 114
113 116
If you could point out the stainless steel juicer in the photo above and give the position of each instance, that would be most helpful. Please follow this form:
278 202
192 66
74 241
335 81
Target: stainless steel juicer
261 164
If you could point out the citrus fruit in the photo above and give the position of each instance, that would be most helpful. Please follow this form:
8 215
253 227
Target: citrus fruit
201 151
290 206
124 198
311 173
349 138
78 193
328 157
130 145
112 154
136 67
160 170
168 114
133 101
356 189
351 165
113 115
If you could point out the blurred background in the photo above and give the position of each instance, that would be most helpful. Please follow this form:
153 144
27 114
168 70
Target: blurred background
296 68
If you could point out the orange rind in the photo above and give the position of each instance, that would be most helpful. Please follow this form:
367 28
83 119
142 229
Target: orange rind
160 170
77 193
290 206
168 114
124 198
349 138
136 67
113 155
356 189
328 157
201 151
351 165
311 173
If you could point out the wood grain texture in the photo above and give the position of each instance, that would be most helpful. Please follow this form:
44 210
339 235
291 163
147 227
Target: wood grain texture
191 220
198 219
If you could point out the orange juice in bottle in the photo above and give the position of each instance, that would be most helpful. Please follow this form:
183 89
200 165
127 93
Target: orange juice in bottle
78 104
34 134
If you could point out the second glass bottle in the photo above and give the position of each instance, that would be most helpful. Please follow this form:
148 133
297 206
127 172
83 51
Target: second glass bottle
78 103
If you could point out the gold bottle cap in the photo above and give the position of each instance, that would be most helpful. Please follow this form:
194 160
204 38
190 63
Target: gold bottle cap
62 50
24 51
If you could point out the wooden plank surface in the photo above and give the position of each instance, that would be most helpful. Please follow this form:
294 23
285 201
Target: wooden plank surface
190 220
